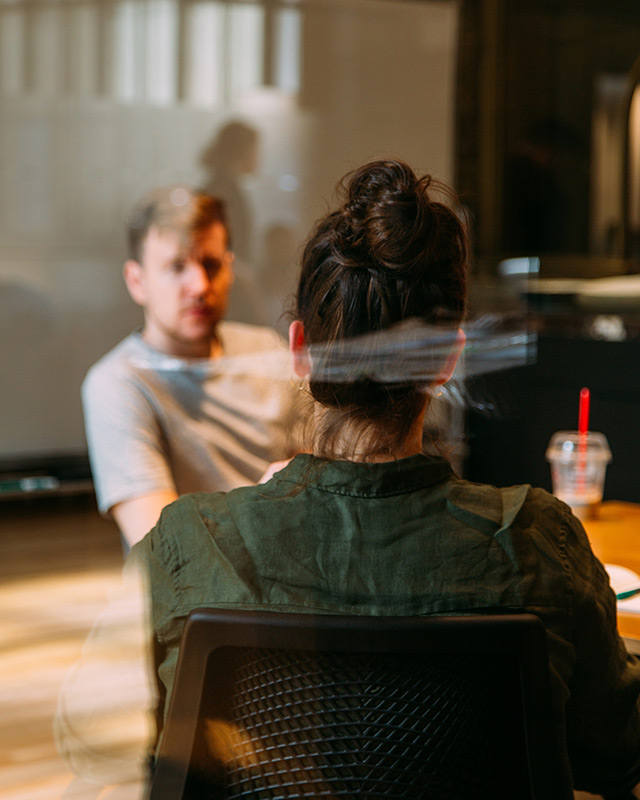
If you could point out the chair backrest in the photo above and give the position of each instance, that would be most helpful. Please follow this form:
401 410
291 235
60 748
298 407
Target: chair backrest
271 705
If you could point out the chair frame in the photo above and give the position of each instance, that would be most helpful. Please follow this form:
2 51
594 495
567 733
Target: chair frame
519 635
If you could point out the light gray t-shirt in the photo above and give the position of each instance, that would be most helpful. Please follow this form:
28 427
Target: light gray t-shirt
156 422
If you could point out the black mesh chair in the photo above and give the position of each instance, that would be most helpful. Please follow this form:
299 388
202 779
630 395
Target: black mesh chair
268 705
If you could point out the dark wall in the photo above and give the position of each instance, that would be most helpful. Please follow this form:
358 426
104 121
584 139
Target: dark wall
530 403
526 77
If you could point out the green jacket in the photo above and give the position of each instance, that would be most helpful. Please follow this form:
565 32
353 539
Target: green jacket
402 538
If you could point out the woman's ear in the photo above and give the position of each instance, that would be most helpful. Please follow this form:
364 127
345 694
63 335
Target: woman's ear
299 350
452 359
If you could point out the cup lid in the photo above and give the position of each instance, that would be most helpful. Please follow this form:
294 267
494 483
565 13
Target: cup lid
565 446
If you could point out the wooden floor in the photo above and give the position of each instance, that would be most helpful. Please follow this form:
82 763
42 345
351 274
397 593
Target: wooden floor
58 560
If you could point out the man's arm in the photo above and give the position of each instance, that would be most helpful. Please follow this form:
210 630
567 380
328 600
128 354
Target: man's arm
131 474
136 517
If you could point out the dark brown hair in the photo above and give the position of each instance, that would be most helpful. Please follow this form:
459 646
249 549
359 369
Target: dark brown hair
180 208
393 252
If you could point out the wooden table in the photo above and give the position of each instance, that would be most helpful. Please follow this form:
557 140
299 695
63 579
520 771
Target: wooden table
615 538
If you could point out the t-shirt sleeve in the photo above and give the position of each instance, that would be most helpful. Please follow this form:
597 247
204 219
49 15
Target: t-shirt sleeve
126 445
602 714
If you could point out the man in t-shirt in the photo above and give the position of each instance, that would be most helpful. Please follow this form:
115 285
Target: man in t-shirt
189 402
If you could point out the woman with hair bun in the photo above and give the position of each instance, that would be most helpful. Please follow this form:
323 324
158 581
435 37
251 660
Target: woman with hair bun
367 522
390 256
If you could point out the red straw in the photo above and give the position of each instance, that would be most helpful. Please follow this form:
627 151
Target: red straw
583 431
583 414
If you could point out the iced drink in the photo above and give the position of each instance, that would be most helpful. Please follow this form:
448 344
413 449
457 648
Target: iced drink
578 465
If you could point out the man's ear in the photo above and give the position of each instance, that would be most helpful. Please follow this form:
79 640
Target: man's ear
452 359
134 278
299 350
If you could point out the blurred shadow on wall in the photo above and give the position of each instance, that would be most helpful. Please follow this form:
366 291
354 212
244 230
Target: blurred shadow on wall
232 153
265 264
229 156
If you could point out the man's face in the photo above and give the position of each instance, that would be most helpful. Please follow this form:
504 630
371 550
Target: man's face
183 285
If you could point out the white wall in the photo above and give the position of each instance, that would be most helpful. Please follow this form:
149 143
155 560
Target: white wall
101 101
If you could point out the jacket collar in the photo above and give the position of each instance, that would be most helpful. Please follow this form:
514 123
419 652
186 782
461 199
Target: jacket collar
366 480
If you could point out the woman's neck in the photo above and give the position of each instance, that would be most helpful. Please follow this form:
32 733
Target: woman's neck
404 451
355 444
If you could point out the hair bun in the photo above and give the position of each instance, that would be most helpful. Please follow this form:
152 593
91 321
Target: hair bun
383 216
381 181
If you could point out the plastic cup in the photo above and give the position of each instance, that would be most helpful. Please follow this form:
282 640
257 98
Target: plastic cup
578 466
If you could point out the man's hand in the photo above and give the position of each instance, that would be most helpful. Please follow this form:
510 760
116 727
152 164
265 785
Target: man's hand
136 517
